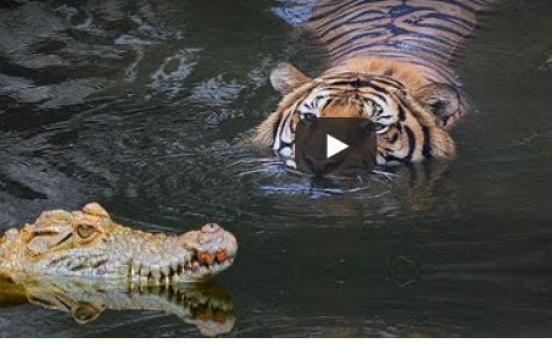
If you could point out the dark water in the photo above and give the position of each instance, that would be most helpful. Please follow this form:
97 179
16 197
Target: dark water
142 106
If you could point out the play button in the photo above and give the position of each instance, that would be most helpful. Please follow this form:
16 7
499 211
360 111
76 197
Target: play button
334 146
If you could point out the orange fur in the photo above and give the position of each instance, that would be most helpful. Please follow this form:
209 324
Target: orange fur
413 77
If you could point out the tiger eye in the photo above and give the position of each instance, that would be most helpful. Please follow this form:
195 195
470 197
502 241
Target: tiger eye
378 109
85 231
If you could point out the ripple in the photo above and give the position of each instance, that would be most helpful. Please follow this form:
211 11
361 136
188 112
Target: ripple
169 78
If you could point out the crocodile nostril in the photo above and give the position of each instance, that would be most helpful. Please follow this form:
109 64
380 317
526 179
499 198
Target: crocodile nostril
210 228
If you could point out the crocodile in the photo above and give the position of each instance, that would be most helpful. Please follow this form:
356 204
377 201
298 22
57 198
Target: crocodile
205 305
87 243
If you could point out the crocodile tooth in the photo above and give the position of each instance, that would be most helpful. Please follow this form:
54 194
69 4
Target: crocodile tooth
195 266
135 268
144 271
203 299
215 303
156 276
166 270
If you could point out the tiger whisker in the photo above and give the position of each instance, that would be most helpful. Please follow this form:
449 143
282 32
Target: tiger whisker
255 160
245 173
341 191
273 163
387 175
297 172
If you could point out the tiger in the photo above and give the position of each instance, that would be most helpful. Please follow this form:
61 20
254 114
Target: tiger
390 61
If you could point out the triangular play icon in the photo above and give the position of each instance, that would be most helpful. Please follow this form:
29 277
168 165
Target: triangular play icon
334 146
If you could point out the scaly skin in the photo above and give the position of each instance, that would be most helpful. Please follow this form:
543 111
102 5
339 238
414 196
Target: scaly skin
88 243
206 306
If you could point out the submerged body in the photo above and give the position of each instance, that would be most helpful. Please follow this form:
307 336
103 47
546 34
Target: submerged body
88 243
389 63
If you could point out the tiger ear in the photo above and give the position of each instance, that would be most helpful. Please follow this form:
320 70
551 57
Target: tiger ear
447 103
285 78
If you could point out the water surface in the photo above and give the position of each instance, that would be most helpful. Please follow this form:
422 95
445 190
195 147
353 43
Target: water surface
143 106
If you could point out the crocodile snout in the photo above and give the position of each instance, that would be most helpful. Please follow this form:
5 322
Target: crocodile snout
215 244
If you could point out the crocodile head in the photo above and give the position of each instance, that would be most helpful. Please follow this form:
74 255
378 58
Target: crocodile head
88 243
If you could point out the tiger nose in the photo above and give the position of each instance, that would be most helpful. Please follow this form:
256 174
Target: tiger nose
320 166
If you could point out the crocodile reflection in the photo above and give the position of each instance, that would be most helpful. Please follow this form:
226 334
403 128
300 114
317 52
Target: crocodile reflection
205 305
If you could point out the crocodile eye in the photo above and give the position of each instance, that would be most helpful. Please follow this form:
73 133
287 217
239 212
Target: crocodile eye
85 313
85 231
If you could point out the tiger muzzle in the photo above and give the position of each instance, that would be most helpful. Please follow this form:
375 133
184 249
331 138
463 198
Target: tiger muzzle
336 146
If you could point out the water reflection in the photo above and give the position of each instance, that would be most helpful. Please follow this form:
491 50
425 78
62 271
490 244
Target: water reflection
413 188
206 306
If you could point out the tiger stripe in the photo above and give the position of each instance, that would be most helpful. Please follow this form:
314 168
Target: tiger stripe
423 32
391 62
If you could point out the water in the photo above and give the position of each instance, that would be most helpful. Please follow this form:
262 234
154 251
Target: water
143 106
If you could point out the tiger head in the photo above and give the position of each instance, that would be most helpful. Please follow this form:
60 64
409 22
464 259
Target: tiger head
409 125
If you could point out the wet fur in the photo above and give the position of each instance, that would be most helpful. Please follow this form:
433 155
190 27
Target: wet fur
430 99
441 143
